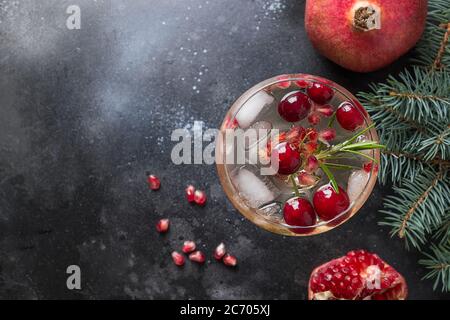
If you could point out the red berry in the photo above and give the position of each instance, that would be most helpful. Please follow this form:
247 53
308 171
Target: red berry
153 182
320 93
190 190
349 117
188 246
220 251
357 275
328 203
197 256
229 260
294 107
162 225
178 259
300 213
200 197
288 158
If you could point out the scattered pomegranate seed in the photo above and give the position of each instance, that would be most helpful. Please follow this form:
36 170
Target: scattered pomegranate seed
153 182
178 259
306 179
349 117
295 135
327 134
190 190
197 256
162 225
230 260
312 164
325 110
200 197
368 167
294 107
312 134
302 84
320 93
283 84
220 251
314 118
189 246
311 147
230 124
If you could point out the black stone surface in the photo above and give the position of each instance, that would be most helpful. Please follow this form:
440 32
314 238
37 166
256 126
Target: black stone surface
85 113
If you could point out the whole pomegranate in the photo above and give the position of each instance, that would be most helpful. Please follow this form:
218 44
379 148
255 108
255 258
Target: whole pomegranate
359 275
364 35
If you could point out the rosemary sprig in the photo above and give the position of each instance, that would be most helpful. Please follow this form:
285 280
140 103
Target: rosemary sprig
330 176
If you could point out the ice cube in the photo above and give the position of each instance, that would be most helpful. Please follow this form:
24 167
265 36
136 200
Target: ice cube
356 184
252 108
255 190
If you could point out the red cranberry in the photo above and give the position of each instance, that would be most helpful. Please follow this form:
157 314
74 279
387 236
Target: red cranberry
288 158
320 93
349 117
328 203
294 107
300 213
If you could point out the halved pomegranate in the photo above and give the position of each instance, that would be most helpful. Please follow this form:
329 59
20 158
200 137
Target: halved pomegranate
359 275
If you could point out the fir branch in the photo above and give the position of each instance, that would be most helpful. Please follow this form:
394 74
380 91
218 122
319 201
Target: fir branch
417 203
437 63
438 262
418 207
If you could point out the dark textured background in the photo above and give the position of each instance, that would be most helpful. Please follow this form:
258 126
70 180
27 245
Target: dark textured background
84 114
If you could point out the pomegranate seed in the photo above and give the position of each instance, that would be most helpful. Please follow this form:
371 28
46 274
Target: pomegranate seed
320 93
302 84
288 158
300 213
295 135
197 256
311 147
200 197
153 182
162 225
229 260
314 118
312 164
325 110
283 84
188 246
328 203
312 134
307 179
230 124
178 259
368 167
294 107
190 190
220 251
349 117
327 134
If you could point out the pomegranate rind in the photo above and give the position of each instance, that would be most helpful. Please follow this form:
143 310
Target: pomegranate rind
397 291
